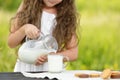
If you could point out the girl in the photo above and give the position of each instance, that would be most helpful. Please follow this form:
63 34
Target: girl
55 17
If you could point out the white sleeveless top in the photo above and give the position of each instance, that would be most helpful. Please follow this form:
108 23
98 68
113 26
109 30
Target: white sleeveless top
48 23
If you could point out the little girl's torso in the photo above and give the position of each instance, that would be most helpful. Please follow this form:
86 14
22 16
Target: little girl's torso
48 23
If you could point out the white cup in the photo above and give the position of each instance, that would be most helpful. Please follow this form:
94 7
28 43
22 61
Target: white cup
56 63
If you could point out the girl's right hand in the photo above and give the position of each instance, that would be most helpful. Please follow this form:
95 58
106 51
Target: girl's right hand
31 31
41 60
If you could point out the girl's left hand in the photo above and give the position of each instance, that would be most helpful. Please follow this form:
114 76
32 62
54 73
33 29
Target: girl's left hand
41 60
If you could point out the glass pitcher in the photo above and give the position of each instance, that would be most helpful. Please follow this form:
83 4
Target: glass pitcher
32 49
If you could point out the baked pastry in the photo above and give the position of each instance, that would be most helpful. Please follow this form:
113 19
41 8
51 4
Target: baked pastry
82 75
115 75
106 74
94 75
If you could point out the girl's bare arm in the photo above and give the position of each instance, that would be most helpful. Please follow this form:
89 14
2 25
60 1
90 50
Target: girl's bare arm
16 34
72 49
16 37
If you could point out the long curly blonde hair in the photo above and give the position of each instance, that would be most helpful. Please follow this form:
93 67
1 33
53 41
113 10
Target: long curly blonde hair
66 18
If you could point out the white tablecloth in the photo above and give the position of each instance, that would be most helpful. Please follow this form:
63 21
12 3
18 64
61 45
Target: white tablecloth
65 75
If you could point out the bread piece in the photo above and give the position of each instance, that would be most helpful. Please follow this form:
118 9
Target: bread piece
115 75
82 75
115 72
106 74
94 75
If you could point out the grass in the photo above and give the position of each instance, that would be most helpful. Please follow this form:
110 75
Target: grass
99 47
7 55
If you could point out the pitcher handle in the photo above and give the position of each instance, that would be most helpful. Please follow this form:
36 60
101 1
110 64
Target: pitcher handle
39 38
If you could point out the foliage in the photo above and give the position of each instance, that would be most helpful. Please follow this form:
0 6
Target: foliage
98 5
9 4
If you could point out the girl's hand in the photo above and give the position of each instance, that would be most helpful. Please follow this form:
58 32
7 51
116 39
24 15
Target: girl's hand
31 31
41 60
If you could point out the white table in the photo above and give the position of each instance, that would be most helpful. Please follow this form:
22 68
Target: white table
65 75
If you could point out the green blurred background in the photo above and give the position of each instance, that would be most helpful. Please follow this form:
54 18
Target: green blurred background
99 47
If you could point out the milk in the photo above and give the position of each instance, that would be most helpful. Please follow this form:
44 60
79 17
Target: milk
55 63
30 56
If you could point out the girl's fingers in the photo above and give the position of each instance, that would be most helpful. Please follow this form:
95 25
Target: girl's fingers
41 60
29 35
38 63
35 34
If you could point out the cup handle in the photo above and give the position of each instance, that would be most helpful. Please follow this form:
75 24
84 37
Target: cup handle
67 58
